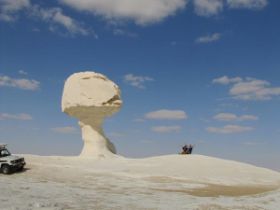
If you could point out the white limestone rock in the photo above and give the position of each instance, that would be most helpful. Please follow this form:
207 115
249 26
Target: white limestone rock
91 97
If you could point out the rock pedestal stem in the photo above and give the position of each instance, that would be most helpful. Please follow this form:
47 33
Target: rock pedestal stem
95 142
91 97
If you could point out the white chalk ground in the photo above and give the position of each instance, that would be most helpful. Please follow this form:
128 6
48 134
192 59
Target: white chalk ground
165 182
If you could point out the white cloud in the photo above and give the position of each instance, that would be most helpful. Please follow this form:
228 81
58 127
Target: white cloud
234 117
253 143
138 120
25 84
137 81
140 11
208 38
248 4
165 114
22 72
248 117
225 80
208 7
166 129
36 30
65 130
22 116
229 129
213 7
55 17
254 89
249 88
121 32
9 8
173 43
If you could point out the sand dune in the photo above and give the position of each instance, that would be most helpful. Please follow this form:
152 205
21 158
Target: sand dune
164 182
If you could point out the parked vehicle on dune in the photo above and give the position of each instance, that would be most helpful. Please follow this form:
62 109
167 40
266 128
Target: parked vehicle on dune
10 163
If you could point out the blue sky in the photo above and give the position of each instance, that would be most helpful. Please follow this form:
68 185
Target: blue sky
200 71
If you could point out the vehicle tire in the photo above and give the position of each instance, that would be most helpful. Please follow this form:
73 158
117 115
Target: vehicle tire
20 168
6 169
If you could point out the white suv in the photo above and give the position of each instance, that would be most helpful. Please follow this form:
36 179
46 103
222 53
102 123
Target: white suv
9 162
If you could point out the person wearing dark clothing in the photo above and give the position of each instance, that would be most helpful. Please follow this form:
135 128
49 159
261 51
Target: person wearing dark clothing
190 149
187 149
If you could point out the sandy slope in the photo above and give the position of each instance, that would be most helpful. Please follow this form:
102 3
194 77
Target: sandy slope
164 182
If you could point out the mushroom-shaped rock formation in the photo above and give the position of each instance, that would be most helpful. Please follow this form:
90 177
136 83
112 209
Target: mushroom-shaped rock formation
91 97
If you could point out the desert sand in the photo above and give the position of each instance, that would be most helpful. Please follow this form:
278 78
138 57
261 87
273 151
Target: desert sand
163 182
100 179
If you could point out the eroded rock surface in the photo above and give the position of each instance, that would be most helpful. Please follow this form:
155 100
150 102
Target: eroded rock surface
91 97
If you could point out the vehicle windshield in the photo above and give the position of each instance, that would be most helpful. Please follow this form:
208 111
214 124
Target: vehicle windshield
4 153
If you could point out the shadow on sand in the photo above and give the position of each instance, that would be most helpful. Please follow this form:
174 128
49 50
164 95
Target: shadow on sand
17 172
